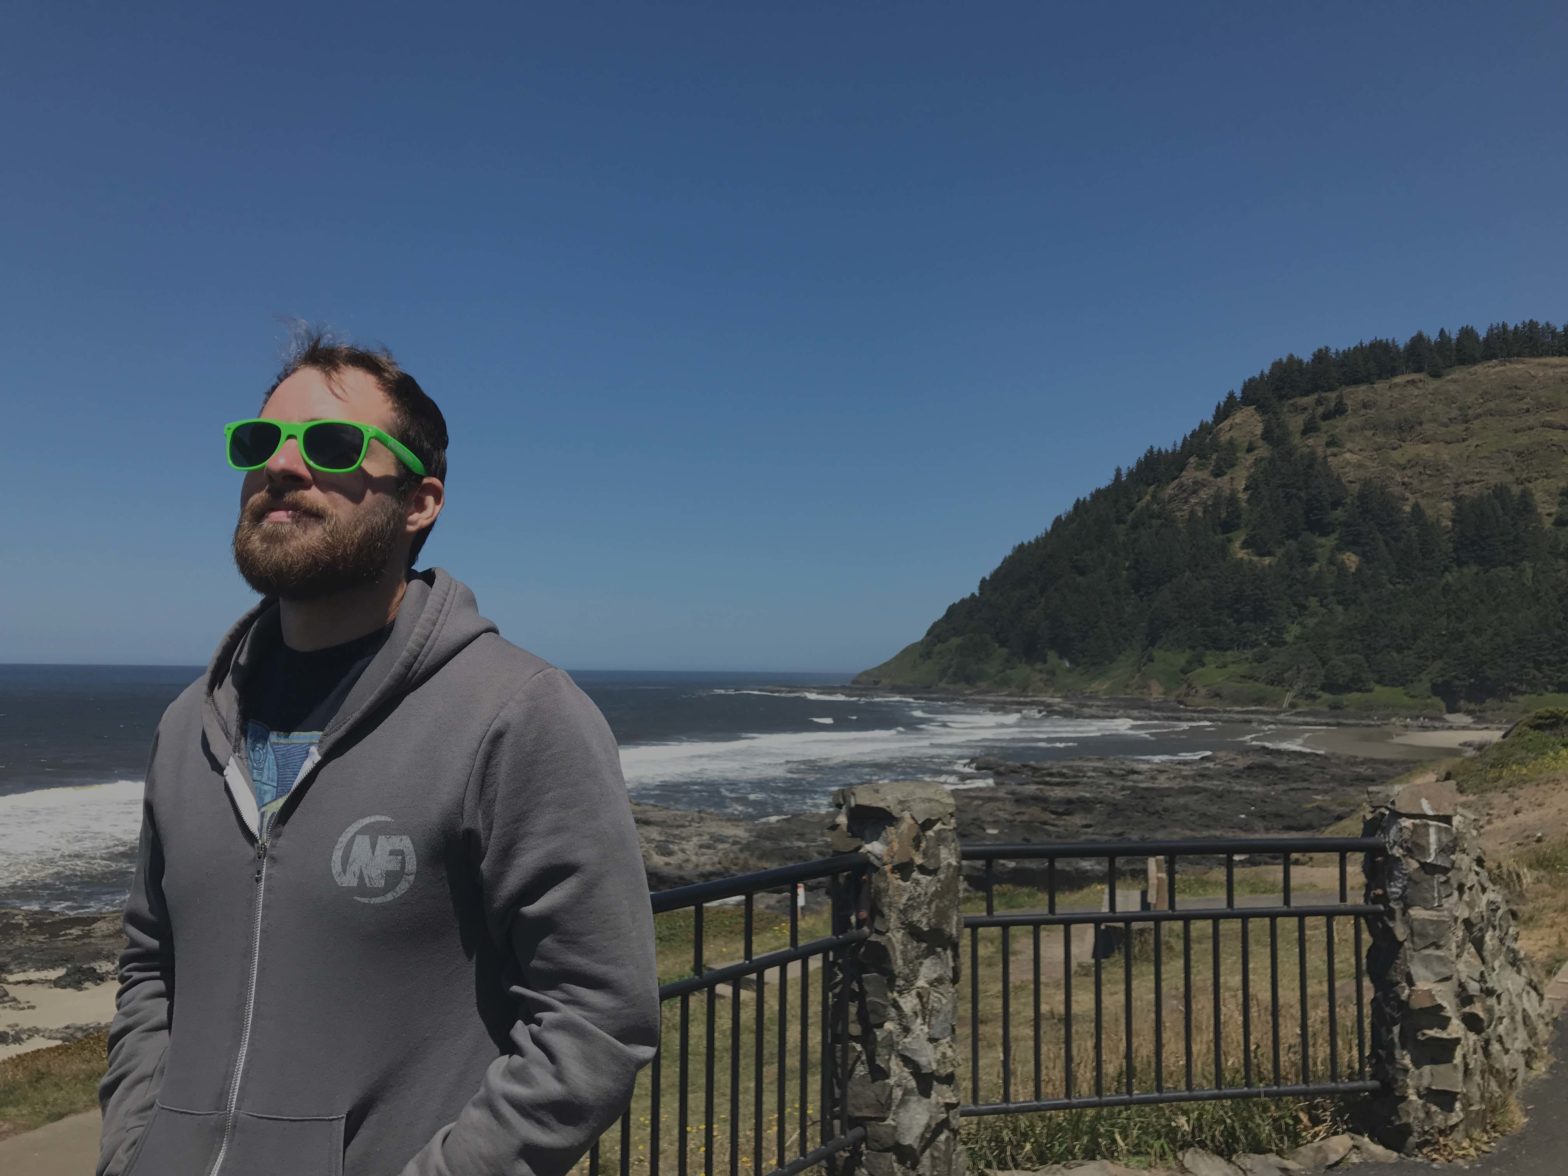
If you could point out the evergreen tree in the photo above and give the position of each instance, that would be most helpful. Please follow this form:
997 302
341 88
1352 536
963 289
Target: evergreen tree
1226 455
1467 346
1322 372
1419 353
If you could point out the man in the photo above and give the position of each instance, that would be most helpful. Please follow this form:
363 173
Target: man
389 912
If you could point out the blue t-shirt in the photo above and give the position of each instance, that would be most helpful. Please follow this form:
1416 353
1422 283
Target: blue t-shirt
289 700
276 760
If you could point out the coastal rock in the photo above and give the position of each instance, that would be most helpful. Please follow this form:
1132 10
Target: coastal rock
1368 1152
47 941
1253 1164
1323 1153
74 1031
1197 1162
1082 1168
1246 792
79 976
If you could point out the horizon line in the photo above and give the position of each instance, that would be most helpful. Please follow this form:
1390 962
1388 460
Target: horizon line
179 665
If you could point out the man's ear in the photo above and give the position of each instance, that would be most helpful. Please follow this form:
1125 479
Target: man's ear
424 505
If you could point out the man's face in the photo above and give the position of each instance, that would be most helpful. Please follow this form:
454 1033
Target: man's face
303 534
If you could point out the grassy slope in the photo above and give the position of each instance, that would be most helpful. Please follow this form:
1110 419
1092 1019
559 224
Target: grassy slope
1427 438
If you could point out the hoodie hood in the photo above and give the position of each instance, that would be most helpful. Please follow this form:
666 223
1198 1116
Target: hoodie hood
437 618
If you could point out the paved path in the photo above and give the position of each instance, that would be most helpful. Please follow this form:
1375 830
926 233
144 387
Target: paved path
1540 1148
66 1148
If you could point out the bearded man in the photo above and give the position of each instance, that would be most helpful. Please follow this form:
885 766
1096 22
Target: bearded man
389 912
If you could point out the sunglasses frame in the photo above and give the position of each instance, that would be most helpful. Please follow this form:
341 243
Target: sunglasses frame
298 429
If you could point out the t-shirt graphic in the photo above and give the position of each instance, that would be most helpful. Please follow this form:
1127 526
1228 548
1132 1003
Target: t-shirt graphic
276 760
288 703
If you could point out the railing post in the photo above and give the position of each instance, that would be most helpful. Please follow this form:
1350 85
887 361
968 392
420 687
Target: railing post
1458 1016
903 1083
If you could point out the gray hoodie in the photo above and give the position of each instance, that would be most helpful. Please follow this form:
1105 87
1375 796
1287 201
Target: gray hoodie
440 961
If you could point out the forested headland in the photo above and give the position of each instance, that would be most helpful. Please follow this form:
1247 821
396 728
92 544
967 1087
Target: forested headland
1380 527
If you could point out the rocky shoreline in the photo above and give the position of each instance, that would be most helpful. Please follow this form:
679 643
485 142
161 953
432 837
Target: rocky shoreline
1252 791
1245 793
1146 709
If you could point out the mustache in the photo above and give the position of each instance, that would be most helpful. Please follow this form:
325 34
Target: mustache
265 501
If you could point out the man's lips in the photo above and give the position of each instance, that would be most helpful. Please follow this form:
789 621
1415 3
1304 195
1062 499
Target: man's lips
282 514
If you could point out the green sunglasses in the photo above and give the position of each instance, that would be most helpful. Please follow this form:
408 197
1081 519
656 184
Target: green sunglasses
333 447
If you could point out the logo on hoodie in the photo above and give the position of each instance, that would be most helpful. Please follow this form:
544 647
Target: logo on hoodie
371 864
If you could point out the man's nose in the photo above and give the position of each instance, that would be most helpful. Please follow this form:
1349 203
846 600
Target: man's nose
287 464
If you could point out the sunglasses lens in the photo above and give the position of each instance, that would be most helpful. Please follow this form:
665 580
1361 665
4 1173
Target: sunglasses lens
332 446
253 443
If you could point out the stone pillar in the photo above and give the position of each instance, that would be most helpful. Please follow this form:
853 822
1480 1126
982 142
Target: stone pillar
903 1083
1458 1017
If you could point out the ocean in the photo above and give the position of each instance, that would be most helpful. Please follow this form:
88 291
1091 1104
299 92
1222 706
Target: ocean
74 743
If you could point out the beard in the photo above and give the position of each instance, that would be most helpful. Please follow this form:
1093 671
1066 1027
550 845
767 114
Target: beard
315 555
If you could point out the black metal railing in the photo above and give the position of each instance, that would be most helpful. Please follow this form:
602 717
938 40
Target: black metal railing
1237 970
755 998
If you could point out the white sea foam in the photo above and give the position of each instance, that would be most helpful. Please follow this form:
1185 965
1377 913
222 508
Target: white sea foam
79 832
1289 746
1176 757
942 737
829 722
1258 739
812 695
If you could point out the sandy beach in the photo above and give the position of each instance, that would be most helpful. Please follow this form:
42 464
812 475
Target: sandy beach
1400 742
57 977
35 1014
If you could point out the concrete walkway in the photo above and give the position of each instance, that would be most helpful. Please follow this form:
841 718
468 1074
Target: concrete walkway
66 1148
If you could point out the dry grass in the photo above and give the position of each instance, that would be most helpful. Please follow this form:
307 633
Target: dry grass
1537 881
1516 789
721 1107
688 1116
1152 1047
43 1085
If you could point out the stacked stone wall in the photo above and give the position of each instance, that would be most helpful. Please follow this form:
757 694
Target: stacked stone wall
903 1050
1458 1016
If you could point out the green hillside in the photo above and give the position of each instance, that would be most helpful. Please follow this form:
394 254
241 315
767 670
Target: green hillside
1383 527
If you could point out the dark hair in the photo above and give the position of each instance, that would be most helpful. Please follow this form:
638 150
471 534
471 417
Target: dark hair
419 423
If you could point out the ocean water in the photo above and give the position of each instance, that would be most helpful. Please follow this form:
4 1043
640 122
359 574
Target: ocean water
74 743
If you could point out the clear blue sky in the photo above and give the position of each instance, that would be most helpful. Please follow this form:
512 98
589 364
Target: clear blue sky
763 330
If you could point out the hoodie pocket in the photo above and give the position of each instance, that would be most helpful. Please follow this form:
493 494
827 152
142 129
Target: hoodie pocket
268 1145
175 1142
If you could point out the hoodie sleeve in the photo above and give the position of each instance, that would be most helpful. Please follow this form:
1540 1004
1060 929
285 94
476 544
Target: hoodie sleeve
565 890
139 1034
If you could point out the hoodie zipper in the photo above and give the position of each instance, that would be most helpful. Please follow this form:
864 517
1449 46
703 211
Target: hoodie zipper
250 1009
231 1108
